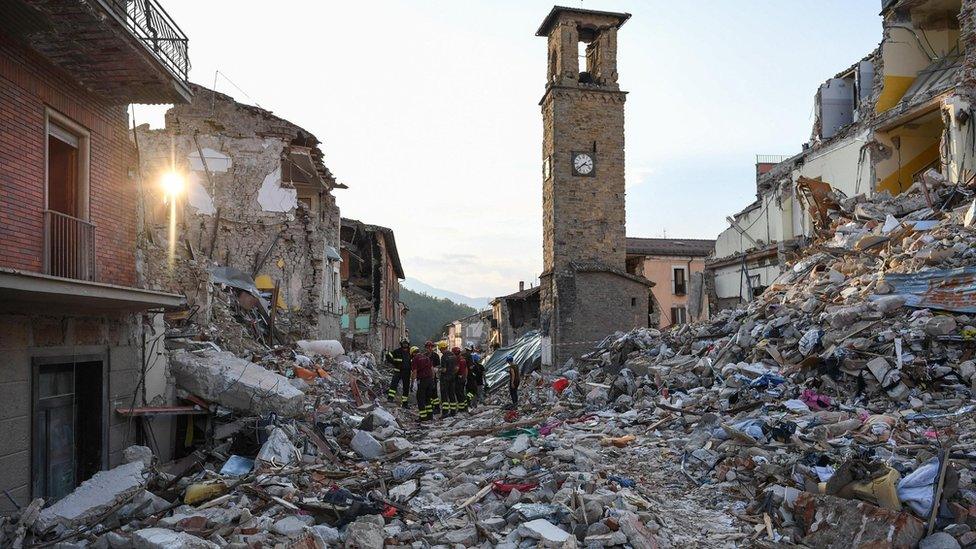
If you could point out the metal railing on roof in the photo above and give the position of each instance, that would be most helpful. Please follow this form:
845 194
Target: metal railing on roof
150 23
771 158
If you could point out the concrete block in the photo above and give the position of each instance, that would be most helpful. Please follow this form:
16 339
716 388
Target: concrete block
88 331
14 332
15 434
48 331
161 538
15 365
94 496
15 469
14 399
235 383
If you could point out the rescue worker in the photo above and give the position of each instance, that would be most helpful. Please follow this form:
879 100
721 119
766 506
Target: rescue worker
461 381
514 379
400 360
423 370
476 380
435 360
448 376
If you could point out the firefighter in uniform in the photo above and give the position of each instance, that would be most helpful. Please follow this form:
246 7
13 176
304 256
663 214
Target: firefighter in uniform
461 381
476 380
399 359
435 360
423 370
448 376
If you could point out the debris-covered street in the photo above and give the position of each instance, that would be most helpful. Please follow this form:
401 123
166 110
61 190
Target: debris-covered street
211 335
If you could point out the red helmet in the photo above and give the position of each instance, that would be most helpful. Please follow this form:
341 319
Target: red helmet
429 343
456 350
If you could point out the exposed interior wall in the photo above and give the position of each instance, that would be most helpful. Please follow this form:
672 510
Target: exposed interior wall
914 147
911 43
961 138
731 283
238 211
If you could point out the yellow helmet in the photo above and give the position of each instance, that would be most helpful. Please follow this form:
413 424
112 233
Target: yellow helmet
414 349
442 345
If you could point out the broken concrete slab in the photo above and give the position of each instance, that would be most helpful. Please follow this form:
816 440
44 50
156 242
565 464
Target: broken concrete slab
278 449
544 531
365 445
94 497
161 538
236 383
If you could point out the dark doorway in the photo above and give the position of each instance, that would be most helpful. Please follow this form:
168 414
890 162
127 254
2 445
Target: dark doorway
66 448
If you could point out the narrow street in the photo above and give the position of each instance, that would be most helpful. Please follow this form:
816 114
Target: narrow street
487 274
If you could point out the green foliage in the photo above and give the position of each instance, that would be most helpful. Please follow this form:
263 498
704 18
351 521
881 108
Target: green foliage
428 315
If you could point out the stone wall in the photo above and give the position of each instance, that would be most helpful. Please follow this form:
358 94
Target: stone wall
241 210
590 305
585 219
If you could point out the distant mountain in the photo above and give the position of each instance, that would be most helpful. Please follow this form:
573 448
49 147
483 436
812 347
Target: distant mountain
479 303
428 315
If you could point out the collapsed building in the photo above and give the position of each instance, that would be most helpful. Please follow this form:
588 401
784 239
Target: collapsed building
80 331
373 317
881 125
258 199
514 315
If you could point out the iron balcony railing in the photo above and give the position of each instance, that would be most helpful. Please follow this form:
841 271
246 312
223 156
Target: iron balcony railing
69 246
150 23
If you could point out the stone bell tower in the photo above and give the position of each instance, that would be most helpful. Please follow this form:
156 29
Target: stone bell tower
586 291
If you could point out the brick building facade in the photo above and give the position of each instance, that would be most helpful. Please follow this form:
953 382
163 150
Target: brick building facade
586 292
75 328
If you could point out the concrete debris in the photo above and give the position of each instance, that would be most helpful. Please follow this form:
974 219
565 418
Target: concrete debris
97 495
161 538
278 449
830 411
366 446
236 383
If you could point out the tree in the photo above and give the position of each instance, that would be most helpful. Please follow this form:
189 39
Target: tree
428 315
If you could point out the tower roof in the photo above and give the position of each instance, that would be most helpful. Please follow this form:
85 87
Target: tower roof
612 17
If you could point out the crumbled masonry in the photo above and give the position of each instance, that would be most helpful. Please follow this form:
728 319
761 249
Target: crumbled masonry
831 411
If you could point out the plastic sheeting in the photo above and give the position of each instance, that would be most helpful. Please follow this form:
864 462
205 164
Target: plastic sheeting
527 351
944 289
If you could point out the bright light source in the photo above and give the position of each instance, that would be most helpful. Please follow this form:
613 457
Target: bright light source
173 183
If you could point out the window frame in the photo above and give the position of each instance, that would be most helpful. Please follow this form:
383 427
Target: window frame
66 124
674 279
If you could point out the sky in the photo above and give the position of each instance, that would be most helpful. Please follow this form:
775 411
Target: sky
428 109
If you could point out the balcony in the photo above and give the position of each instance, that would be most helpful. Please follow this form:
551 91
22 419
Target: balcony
150 23
69 246
128 51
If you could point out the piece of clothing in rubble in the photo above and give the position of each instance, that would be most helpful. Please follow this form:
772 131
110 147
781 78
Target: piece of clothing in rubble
514 380
423 369
448 381
435 360
461 384
400 360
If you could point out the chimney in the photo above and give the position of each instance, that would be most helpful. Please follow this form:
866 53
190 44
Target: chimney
521 285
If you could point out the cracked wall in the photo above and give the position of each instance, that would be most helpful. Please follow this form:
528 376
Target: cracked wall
258 198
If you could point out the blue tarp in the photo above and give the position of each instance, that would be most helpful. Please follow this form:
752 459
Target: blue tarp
944 289
527 351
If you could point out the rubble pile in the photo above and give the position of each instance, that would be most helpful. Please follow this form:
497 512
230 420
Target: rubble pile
836 406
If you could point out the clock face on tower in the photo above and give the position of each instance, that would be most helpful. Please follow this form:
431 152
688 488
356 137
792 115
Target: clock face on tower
584 164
